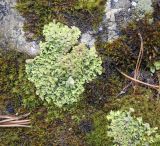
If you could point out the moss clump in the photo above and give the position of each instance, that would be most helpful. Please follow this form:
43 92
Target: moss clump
143 103
88 4
124 51
13 80
98 137
71 12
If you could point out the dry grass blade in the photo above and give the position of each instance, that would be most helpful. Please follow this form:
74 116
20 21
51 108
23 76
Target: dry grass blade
14 121
15 125
137 70
139 60
138 81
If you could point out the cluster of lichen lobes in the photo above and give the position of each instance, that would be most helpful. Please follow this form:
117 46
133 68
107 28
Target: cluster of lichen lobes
62 68
128 130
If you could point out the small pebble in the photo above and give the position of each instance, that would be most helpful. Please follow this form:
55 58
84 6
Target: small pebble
100 29
134 4
10 108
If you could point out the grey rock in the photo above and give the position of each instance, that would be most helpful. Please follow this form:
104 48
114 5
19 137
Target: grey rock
12 35
88 38
118 13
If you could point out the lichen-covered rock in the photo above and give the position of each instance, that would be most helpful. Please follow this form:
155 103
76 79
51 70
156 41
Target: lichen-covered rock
118 13
11 29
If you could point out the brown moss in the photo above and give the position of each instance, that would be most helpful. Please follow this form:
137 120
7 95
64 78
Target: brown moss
41 12
44 131
143 103
156 14
124 51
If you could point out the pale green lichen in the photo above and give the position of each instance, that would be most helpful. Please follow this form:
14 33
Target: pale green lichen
143 7
62 68
128 130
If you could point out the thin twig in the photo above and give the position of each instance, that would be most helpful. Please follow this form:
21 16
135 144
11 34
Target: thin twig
139 60
20 121
138 81
14 121
124 89
15 125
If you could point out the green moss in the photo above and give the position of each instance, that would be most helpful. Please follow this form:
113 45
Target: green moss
88 4
13 80
143 103
72 12
98 137
124 51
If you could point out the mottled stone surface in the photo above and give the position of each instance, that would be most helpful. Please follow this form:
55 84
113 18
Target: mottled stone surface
88 38
120 12
11 29
117 14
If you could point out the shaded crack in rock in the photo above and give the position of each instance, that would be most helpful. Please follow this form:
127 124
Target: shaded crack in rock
12 35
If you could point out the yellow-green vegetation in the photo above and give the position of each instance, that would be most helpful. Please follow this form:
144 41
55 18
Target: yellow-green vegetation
126 129
13 80
98 136
88 4
145 106
70 12
63 67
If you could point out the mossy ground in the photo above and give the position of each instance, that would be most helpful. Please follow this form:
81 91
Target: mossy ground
99 97
124 51
83 14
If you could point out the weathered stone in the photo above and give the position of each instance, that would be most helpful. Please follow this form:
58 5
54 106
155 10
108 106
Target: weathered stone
117 15
11 29
88 38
